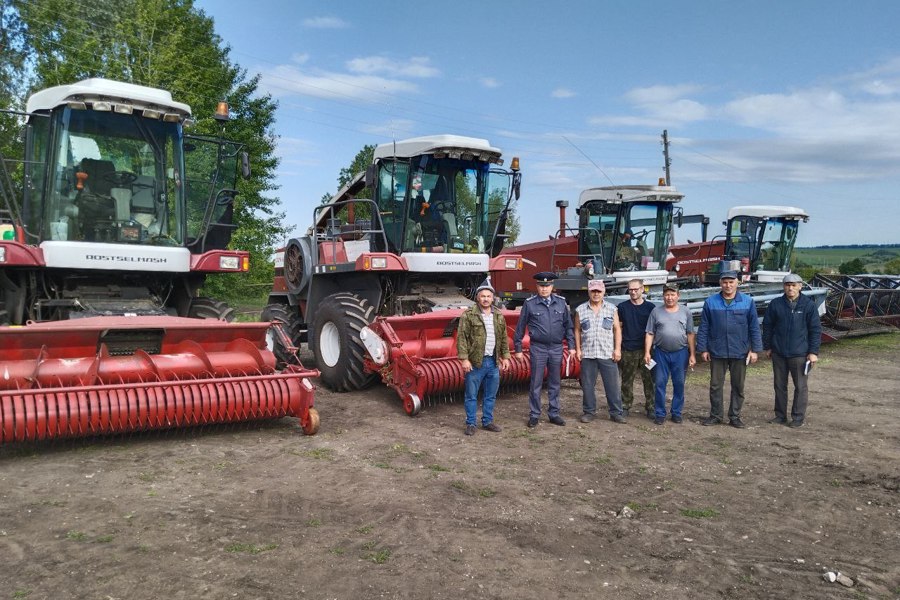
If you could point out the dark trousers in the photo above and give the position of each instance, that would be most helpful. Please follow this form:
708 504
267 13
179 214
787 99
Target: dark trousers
737 368
611 387
781 367
632 364
550 358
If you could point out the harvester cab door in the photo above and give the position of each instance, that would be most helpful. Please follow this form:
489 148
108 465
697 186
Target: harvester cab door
211 169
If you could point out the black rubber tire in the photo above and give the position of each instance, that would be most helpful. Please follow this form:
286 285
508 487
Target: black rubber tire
207 308
348 314
293 326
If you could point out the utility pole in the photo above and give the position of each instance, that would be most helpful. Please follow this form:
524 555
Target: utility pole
665 142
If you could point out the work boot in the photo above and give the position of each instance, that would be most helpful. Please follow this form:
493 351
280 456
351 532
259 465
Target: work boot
677 419
737 423
617 419
492 427
711 420
470 430
777 421
659 420
557 420
586 418
795 423
532 422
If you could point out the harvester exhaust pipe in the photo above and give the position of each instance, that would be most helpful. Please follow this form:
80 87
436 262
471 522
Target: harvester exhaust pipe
562 205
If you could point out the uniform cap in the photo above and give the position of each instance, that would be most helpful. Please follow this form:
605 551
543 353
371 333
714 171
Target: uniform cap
596 284
545 277
728 275
670 287
792 278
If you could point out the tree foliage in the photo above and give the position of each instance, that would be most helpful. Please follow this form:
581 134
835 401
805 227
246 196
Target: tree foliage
166 44
852 267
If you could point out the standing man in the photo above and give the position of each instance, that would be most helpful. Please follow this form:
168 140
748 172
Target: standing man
729 336
481 343
598 345
549 322
791 336
633 316
670 338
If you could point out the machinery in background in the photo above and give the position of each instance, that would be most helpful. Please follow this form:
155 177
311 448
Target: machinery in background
120 217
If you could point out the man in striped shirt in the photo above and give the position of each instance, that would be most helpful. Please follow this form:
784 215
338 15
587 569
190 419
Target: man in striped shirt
598 345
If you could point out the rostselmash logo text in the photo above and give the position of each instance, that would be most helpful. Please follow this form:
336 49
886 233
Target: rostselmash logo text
458 263
126 259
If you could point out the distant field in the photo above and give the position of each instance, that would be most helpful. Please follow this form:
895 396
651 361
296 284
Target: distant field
830 258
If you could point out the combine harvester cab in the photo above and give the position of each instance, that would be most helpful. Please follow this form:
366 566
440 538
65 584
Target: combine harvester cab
121 217
377 284
758 245
623 233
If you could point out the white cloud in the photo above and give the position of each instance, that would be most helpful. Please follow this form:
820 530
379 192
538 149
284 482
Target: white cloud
299 59
395 129
415 67
562 93
286 80
489 82
325 23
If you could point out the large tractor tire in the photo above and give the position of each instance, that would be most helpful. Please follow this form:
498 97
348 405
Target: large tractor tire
207 308
293 327
338 350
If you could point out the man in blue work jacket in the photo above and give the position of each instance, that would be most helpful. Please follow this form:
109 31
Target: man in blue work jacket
549 322
729 335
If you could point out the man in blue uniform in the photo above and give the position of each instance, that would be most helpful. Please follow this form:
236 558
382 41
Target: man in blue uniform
549 322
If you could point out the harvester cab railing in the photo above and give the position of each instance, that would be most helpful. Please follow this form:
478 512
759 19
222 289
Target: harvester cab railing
335 237
589 251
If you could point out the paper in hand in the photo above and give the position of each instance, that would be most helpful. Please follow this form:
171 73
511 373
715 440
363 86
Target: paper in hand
650 364
807 367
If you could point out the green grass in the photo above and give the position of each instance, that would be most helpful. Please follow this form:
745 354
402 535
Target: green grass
320 453
437 468
21 593
364 529
887 342
104 539
78 536
699 513
314 523
380 557
249 548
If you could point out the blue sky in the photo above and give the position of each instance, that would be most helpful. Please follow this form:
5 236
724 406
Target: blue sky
769 102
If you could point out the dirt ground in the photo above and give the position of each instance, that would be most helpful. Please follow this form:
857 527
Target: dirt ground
380 505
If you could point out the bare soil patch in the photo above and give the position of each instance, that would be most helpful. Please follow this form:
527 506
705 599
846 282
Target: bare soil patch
380 505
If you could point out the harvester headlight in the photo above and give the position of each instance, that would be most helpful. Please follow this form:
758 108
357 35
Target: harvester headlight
124 109
102 106
151 114
229 263
512 264
379 262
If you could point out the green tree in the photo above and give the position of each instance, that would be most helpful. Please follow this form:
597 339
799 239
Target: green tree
171 45
892 267
852 267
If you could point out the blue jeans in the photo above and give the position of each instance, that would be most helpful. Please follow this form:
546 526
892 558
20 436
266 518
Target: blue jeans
488 375
609 372
674 364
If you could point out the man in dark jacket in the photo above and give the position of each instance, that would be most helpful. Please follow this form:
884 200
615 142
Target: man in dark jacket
729 336
791 336
483 349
